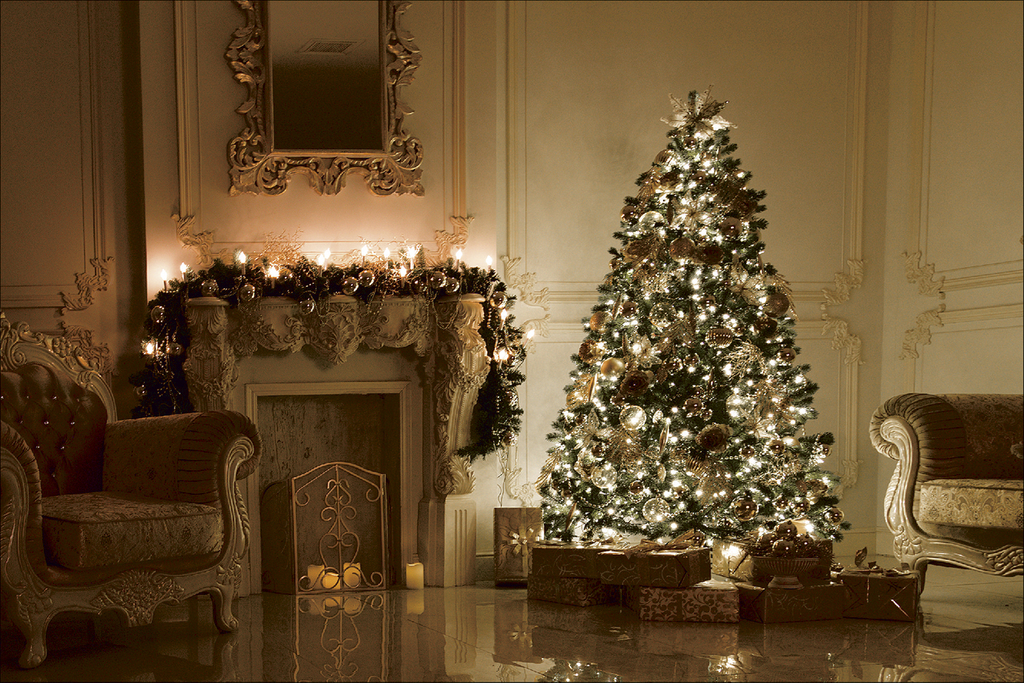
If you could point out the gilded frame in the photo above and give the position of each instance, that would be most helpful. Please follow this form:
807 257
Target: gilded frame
256 168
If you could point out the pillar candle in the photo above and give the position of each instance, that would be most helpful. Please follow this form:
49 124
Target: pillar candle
414 576
352 574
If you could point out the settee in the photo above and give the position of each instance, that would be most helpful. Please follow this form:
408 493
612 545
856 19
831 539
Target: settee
105 514
955 497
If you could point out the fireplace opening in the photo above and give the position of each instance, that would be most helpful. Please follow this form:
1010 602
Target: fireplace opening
303 431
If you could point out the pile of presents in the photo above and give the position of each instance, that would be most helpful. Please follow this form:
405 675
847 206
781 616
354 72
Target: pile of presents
675 582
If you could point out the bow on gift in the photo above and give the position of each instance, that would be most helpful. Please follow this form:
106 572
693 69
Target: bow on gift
872 567
681 542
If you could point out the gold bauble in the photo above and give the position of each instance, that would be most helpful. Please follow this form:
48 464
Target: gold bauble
636 488
776 447
599 319
776 304
628 309
730 227
787 354
612 367
800 506
787 529
834 515
681 248
719 337
711 254
628 213
766 326
745 509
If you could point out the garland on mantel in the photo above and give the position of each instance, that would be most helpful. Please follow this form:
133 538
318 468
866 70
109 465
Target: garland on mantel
163 390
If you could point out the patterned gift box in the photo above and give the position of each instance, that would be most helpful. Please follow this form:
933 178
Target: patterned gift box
880 594
814 602
554 558
571 590
731 560
514 529
665 569
710 601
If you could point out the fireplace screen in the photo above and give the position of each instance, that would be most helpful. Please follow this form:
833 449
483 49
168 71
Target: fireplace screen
326 531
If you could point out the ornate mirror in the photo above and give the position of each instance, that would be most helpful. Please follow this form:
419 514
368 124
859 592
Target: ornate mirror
322 83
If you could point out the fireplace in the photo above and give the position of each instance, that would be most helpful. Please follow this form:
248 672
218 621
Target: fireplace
422 361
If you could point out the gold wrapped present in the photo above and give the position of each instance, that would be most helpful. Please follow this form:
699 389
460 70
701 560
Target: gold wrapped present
555 558
709 601
732 560
665 568
514 529
814 602
571 590
878 593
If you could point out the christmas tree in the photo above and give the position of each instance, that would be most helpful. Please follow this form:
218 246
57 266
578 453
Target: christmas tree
687 403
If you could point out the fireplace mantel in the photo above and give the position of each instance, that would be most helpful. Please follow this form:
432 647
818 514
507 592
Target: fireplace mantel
452 354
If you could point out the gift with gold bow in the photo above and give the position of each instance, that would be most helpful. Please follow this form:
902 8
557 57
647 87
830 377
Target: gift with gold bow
873 592
683 561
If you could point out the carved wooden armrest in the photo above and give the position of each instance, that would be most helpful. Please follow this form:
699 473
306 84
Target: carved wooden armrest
936 435
21 503
178 457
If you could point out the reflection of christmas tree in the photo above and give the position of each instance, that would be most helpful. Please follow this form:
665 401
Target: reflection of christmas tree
687 403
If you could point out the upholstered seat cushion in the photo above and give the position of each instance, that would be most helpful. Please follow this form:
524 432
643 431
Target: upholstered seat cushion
104 528
997 503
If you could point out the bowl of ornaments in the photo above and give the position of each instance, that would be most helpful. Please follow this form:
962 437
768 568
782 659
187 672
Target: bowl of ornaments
784 553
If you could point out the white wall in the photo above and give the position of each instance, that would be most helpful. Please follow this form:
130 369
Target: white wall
877 129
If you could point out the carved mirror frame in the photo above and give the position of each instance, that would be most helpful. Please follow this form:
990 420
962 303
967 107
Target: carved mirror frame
256 168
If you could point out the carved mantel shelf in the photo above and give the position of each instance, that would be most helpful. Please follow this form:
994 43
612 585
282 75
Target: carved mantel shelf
445 337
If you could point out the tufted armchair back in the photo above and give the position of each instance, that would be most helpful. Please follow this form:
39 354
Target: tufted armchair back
62 422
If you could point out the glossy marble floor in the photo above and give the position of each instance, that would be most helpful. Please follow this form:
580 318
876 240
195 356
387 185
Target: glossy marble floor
969 629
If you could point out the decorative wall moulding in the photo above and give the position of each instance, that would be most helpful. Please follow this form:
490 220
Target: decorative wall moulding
838 328
924 276
922 332
86 284
260 166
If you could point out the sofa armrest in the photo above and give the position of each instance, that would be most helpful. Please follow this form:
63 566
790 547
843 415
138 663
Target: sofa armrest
21 503
932 431
177 457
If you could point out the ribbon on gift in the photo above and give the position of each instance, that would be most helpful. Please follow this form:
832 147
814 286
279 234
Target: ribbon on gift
872 567
681 542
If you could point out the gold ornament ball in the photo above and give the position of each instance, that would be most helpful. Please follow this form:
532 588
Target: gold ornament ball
699 537
689 142
636 488
787 529
825 449
599 319
612 367
499 299
632 417
776 304
349 286
157 314
662 315
629 213
776 447
366 278
711 254
708 301
744 509
730 227
787 354
209 287
681 248
800 506
766 326
692 406
719 337
307 306
834 515
246 292
628 309
783 547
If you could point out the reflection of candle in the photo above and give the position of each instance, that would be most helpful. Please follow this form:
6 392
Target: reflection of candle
414 602
414 576
351 574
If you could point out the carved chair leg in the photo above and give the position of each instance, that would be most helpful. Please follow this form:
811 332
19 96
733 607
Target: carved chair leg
33 627
921 565
223 597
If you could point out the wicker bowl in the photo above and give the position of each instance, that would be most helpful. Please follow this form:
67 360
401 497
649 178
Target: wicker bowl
784 570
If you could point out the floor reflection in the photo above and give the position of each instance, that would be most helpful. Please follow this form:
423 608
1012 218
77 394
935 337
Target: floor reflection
969 628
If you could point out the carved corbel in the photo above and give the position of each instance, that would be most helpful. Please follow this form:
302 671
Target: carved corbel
210 368
86 284
922 332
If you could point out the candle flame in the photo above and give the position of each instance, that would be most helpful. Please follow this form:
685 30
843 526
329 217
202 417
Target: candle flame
163 274
242 258
182 268
365 250
387 253
273 272
489 261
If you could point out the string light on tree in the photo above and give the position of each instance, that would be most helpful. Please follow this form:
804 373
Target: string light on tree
687 405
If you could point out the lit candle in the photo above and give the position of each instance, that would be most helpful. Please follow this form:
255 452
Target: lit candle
411 253
242 258
352 574
489 262
273 272
320 260
331 580
163 276
458 261
315 573
184 271
414 576
387 257
365 250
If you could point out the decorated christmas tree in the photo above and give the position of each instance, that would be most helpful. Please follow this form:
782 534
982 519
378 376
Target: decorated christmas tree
687 406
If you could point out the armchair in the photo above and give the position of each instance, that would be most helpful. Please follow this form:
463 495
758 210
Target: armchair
955 497
102 514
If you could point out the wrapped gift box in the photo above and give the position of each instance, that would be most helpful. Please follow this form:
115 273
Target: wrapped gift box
813 602
553 558
514 529
880 595
665 569
731 560
571 590
710 601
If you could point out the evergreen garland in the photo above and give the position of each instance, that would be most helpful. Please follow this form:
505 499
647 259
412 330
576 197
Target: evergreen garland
162 387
